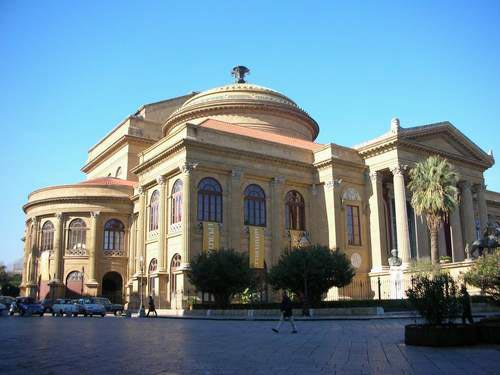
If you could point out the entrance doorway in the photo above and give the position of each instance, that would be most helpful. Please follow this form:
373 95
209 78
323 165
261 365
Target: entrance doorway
112 287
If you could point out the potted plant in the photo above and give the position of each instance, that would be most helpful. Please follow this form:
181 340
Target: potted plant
435 297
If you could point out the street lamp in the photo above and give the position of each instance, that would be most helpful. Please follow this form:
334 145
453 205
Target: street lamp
142 312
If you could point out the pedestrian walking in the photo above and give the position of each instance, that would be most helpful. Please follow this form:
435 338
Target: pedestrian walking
466 307
286 313
151 306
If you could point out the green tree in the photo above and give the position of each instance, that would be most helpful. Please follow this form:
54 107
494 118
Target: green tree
434 194
9 282
435 298
485 274
222 273
311 271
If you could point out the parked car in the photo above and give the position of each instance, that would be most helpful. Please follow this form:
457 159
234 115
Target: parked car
23 305
66 306
115 308
47 305
92 307
3 309
6 300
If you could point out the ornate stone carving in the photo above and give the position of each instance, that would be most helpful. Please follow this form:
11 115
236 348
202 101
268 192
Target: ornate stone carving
141 190
336 182
395 127
95 214
399 169
394 260
188 167
278 180
236 173
59 216
351 194
160 180
375 176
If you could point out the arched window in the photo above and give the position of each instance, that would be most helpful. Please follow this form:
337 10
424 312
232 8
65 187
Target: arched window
47 236
209 200
114 234
153 265
77 234
255 206
154 204
118 173
176 262
294 211
176 202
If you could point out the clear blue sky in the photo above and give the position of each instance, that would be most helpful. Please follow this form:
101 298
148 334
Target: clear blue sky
71 70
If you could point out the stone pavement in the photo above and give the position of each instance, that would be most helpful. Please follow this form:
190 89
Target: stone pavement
173 346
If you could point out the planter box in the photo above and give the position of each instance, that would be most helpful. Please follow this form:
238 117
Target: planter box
447 335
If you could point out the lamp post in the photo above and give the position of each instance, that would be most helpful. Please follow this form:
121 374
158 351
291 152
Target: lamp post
142 312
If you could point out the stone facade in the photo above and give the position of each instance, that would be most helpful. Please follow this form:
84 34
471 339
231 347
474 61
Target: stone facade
173 165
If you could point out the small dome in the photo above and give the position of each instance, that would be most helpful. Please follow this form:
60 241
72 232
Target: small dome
247 105
237 92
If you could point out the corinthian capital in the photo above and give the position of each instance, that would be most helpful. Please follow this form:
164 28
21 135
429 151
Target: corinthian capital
95 214
399 169
464 185
188 167
160 180
375 176
335 183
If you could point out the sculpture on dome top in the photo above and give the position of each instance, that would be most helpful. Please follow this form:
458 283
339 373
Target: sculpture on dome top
239 73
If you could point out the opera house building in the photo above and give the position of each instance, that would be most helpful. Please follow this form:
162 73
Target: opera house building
238 167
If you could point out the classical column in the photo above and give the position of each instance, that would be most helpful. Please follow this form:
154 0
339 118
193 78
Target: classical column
379 253
141 230
58 247
236 210
34 249
457 244
481 205
94 219
187 216
403 234
277 217
162 224
467 214
332 199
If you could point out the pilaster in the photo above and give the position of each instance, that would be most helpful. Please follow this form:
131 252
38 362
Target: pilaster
482 208
236 210
187 215
332 199
277 217
94 219
457 244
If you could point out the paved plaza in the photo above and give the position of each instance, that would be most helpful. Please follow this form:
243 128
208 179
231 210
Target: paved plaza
110 345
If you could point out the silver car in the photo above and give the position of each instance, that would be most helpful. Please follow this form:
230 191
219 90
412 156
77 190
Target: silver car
65 306
92 307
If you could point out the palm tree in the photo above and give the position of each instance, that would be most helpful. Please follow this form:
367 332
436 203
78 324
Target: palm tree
433 184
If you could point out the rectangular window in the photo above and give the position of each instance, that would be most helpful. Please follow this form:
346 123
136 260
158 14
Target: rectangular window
353 226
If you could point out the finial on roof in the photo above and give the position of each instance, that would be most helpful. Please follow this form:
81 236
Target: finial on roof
239 73
490 152
395 125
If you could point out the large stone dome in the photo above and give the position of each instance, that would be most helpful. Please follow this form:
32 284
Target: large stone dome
247 105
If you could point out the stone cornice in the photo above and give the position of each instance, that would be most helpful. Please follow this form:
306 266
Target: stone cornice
212 108
77 199
176 147
336 161
120 142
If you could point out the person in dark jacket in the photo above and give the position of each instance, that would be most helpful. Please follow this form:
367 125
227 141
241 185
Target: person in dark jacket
286 313
151 306
466 307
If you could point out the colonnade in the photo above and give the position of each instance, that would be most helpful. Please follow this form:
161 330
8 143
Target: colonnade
462 223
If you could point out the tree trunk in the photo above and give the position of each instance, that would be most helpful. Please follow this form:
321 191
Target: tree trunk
434 245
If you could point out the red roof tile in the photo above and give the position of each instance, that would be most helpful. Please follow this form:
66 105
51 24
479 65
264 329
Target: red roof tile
259 134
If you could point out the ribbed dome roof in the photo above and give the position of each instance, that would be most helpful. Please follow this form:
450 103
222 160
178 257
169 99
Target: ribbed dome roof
238 92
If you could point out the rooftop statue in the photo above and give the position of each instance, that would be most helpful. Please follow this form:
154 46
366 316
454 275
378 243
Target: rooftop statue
239 73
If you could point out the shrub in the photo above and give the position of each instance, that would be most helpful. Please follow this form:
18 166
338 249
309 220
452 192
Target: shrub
485 274
222 273
311 271
435 298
